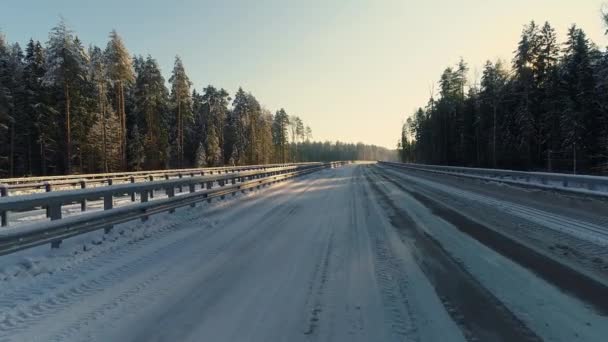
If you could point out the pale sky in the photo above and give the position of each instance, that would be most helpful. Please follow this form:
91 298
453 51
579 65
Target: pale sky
352 70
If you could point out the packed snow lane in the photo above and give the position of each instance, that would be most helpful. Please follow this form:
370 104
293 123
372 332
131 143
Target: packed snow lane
311 259
346 254
561 297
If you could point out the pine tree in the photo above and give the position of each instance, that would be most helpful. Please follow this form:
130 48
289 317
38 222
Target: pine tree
13 80
65 68
264 129
547 79
151 106
98 74
581 118
201 155
308 133
6 107
120 73
39 115
216 124
489 123
84 102
182 102
136 149
280 134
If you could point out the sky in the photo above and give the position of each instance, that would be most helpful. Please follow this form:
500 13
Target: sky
352 70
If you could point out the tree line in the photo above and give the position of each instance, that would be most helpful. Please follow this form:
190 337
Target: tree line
68 109
547 110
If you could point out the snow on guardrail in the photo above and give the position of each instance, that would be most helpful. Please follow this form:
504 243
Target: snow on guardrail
59 228
27 185
596 186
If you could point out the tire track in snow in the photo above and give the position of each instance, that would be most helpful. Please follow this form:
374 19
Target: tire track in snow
60 292
562 276
246 242
249 241
320 280
481 316
61 298
390 275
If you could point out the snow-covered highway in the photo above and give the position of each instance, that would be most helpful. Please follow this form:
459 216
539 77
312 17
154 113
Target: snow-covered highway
363 252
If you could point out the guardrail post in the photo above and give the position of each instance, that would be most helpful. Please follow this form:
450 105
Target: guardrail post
108 203
83 203
143 197
55 210
151 191
181 188
209 185
47 188
565 182
132 180
233 180
192 189
4 214
55 214
170 193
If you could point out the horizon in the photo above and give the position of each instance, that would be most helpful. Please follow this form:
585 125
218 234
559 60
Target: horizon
299 47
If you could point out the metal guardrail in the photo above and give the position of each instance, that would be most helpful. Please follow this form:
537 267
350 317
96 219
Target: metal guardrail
51 183
53 201
53 232
580 184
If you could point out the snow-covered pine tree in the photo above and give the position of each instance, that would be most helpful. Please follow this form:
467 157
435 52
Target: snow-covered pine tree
581 117
65 67
6 107
120 73
182 105
217 123
201 155
214 150
151 109
280 134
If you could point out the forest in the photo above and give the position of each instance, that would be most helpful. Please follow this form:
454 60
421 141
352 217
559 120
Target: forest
545 111
68 109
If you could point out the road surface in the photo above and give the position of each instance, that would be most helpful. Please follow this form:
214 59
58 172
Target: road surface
358 253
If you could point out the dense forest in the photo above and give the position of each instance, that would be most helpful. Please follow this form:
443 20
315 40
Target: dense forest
547 110
67 109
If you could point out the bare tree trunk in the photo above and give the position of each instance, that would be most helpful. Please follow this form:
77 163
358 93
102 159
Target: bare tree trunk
494 139
29 154
123 116
179 133
43 157
81 161
68 131
103 130
11 158
121 133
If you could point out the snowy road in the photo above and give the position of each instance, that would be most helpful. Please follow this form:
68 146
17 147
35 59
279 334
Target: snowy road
358 253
